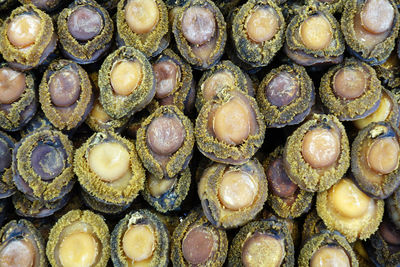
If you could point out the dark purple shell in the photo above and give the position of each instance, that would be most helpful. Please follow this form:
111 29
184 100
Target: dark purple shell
23 206
6 145
48 160
99 54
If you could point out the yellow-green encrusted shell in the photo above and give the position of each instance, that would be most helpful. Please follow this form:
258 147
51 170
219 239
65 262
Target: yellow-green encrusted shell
353 228
85 52
291 224
382 50
185 47
215 211
375 184
303 199
77 114
313 225
93 224
335 6
180 158
219 151
147 43
173 198
118 106
160 257
240 81
109 124
296 111
183 94
28 181
98 205
7 187
18 231
104 191
325 238
256 54
294 42
270 227
12 120
303 174
351 109
389 71
388 111
32 56
197 219
36 208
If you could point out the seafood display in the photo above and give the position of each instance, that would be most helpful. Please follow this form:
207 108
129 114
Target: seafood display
155 133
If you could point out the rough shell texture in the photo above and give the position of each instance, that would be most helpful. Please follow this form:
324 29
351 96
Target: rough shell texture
161 251
214 210
45 41
120 106
95 225
89 51
26 177
256 54
104 191
219 151
177 161
74 115
147 43
300 172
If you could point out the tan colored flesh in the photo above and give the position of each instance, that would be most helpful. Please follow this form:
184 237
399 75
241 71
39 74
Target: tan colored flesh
203 52
99 114
231 121
85 23
142 15
321 147
263 250
198 25
316 32
126 76
23 30
64 88
366 38
79 249
12 85
158 187
110 161
278 180
282 89
330 256
18 253
348 200
138 242
165 135
349 83
377 16
167 74
262 24
217 81
383 155
380 114
237 190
